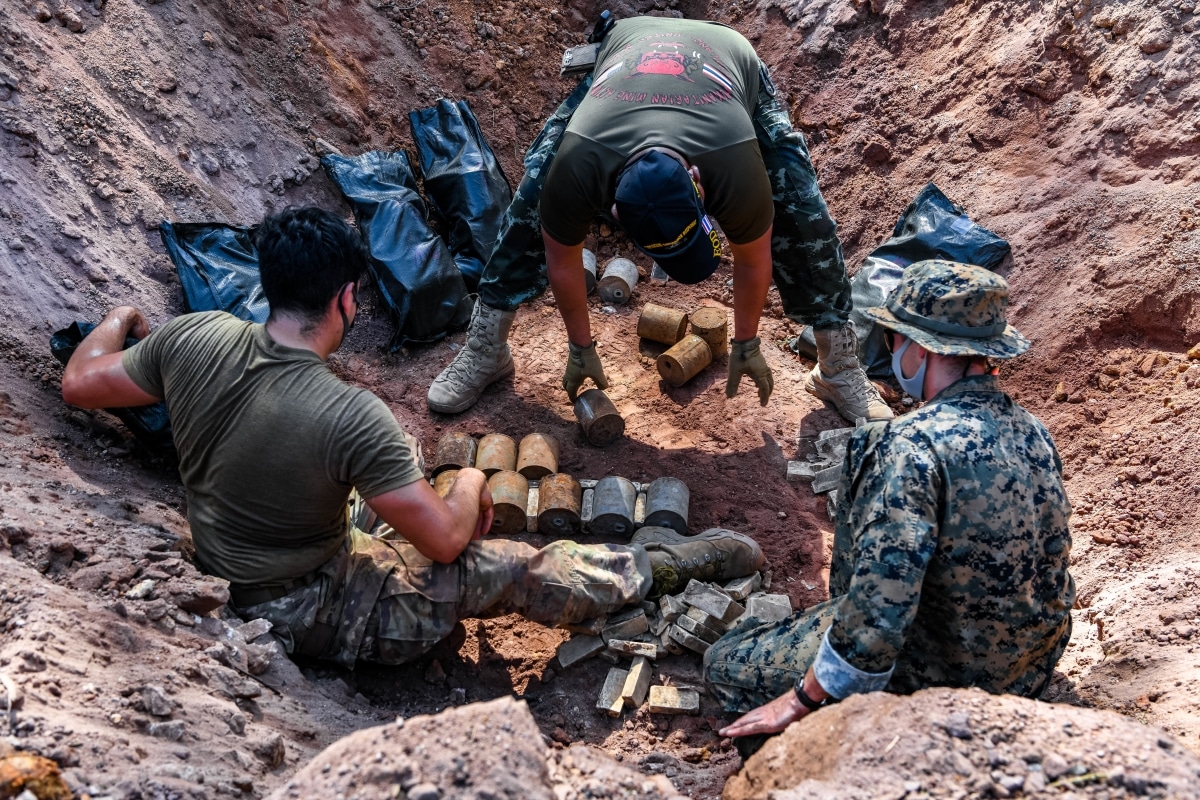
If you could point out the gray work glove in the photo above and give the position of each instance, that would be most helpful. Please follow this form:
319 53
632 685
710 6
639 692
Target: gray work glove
583 362
745 358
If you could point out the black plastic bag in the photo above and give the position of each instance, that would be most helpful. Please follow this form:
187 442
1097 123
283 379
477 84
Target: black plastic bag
463 181
414 271
150 425
218 267
931 227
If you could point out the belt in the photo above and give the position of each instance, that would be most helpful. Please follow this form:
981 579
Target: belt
245 595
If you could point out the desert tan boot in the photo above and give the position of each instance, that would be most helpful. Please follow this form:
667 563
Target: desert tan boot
716 554
838 377
485 359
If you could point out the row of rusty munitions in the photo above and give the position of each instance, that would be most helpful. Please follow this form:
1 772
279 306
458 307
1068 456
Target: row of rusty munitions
690 352
616 282
530 494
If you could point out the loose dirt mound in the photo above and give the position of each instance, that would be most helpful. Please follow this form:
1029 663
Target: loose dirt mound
1069 128
965 743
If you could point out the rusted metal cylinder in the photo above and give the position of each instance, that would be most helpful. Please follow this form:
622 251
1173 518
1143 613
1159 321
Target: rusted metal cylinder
667 504
712 325
616 285
661 324
601 422
455 450
684 361
537 456
612 507
444 480
560 501
589 270
510 499
496 453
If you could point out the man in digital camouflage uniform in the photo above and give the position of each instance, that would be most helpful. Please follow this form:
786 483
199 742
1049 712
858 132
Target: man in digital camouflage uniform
271 443
677 124
950 555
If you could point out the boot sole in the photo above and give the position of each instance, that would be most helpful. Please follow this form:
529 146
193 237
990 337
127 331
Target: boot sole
458 408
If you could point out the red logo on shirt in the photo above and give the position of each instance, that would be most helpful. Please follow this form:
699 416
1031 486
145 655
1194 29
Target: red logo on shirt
662 62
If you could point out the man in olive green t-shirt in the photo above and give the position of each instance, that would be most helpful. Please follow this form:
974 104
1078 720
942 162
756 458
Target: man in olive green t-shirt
271 443
676 127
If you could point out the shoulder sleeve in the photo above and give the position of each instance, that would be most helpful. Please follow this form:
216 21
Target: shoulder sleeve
737 192
372 452
893 517
147 360
576 188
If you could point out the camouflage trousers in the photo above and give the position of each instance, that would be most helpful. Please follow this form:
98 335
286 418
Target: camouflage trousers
806 254
382 601
756 662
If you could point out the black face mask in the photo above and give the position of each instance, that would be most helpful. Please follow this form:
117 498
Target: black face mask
347 323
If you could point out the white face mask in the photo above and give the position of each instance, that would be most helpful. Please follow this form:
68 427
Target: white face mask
915 385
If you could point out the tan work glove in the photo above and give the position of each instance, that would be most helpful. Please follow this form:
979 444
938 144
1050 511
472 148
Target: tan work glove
583 362
745 358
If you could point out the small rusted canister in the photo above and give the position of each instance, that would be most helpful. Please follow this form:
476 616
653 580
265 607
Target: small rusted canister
612 507
684 361
496 452
616 285
510 500
560 501
537 456
667 504
455 450
661 324
601 422
712 325
444 480
589 270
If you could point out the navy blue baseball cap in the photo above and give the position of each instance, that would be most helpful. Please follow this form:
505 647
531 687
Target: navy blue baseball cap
660 209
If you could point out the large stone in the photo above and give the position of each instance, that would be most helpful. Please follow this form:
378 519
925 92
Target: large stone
671 700
769 607
491 749
579 648
712 601
611 700
198 596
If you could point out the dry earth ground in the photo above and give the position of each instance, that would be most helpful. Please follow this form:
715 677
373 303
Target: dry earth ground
1069 128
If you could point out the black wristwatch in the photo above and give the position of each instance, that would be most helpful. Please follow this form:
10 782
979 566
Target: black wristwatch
805 700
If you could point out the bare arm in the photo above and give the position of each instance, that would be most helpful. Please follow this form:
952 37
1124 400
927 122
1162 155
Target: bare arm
95 376
751 279
439 529
564 267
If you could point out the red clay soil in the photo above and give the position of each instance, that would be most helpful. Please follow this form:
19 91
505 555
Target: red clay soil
1069 129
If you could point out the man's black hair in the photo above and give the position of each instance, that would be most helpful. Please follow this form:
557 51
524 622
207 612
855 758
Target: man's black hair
305 255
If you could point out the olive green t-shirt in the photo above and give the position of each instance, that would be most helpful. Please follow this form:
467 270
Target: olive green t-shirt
270 443
688 85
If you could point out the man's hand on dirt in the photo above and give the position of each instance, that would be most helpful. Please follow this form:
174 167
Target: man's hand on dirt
771 718
746 358
583 362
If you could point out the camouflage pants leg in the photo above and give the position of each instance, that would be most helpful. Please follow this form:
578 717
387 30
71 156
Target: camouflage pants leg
805 251
564 582
755 663
515 272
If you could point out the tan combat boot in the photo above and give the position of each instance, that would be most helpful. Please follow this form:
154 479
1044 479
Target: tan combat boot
485 359
839 379
716 554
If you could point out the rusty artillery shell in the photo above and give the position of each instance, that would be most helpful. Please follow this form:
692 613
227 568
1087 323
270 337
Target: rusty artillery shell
560 501
599 418
496 453
537 456
510 496
662 324
613 502
712 325
684 360
616 285
455 450
667 504
589 270
443 481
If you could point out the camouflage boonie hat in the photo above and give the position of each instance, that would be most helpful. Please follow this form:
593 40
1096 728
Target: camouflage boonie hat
953 310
